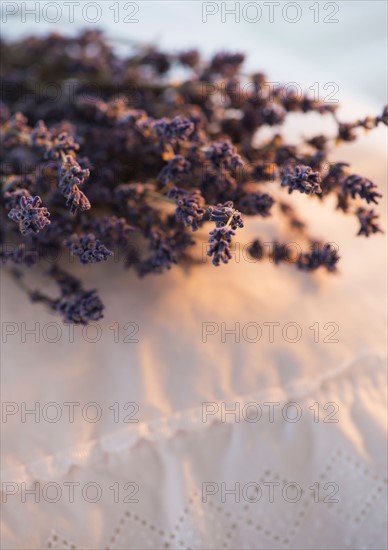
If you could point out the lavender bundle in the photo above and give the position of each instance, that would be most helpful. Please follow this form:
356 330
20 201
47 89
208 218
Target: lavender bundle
139 167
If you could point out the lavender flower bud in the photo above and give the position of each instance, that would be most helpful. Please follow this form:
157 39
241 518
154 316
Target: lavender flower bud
12 198
190 58
67 283
301 178
63 144
164 253
225 215
80 308
346 132
88 249
179 128
326 256
226 63
30 216
280 253
272 115
160 61
256 204
174 169
40 136
384 116
362 187
368 223
222 154
19 122
71 176
190 206
220 240
256 250
333 179
227 219
113 230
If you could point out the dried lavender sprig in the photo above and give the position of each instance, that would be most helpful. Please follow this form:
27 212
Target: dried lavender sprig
177 167
81 308
227 220
30 215
71 176
301 178
225 215
321 256
190 206
368 222
88 248
75 304
255 203
222 154
61 146
362 187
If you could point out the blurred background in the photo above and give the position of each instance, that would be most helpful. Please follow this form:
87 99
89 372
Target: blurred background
342 42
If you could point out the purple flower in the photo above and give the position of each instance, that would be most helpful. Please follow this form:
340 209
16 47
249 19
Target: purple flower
334 177
81 308
301 178
318 142
71 176
190 206
362 187
226 63
321 256
190 58
12 198
160 61
280 253
40 136
113 231
256 250
67 283
384 116
88 249
272 115
225 215
346 132
18 122
285 153
256 204
220 240
368 222
30 215
227 220
164 253
179 128
63 144
222 154
174 170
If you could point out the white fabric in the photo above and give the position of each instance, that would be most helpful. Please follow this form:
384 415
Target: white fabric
171 467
